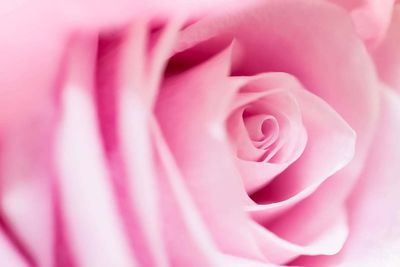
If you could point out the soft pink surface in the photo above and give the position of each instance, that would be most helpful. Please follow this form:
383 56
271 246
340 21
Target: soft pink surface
387 53
191 134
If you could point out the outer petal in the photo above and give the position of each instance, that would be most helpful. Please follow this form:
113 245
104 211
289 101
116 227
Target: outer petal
89 212
9 256
327 239
191 109
32 38
155 191
26 182
374 205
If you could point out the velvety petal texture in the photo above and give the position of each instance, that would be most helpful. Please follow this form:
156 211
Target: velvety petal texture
199 129
374 232
30 62
387 54
199 133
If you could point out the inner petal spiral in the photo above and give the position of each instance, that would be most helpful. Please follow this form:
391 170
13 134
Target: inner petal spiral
262 129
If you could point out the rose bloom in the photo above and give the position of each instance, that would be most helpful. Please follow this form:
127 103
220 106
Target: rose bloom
199 133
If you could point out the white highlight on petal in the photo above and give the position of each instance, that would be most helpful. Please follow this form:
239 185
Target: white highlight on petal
93 225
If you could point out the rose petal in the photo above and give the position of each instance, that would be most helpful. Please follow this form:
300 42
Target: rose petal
133 61
183 228
275 105
328 241
9 255
387 54
30 62
29 202
26 196
87 202
329 137
374 205
281 104
191 109
339 72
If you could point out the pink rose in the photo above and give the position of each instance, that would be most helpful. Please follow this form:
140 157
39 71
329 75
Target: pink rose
159 135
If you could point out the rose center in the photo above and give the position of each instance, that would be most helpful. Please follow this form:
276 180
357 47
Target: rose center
262 129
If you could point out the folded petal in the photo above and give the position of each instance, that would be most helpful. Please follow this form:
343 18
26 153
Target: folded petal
298 227
191 110
270 38
89 212
329 138
265 95
374 205
294 238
